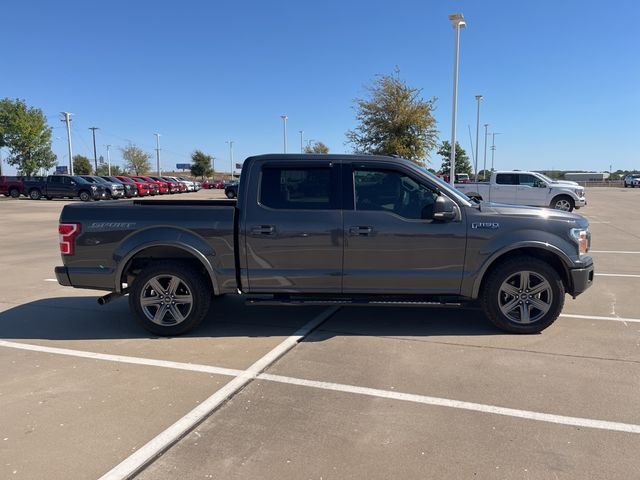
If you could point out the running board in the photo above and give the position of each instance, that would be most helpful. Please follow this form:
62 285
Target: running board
360 300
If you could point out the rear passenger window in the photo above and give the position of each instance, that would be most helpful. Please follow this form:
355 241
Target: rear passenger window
507 179
296 188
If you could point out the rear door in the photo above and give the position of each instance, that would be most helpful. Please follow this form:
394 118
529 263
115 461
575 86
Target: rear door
392 243
505 188
293 228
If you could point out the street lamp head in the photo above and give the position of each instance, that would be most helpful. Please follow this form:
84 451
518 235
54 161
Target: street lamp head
457 20
284 117
479 97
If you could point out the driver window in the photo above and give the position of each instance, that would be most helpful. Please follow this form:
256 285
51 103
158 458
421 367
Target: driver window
393 192
528 180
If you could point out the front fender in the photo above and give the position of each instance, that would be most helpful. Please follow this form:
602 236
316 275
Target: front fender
165 237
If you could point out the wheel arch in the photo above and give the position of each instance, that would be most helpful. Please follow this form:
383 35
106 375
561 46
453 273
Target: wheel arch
135 252
555 257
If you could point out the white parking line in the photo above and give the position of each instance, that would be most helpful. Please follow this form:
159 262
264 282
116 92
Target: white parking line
595 317
617 275
626 252
445 402
175 432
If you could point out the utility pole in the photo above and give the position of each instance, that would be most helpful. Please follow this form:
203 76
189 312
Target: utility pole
158 152
95 155
284 131
230 142
457 21
484 168
478 98
493 148
67 120
108 159
301 141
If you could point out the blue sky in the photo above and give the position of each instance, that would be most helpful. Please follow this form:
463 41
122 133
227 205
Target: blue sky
561 79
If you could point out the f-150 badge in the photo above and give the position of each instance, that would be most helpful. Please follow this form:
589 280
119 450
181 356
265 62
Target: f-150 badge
492 225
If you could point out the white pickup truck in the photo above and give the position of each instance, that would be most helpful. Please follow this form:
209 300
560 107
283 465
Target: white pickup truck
527 188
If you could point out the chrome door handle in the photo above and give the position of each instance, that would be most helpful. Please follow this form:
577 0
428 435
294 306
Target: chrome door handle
360 231
263 230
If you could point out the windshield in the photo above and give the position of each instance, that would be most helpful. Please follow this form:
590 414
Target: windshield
545 178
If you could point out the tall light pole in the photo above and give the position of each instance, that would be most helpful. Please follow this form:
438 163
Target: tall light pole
158 154
457 20
478 98
230 142
67 120
95 155
284 131
301 140
108 159
493 148
486 133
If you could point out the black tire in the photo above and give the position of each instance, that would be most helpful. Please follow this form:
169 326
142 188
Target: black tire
14 193
84 196
35 194
625 185
191 283
507 276
563 202
230 194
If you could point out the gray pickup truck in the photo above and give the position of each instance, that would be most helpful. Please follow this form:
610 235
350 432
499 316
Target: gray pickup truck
343 229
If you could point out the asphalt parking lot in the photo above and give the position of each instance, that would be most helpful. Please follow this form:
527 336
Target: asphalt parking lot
365 393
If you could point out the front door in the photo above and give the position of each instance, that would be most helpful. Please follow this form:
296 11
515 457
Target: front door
529 191
293 229
392 243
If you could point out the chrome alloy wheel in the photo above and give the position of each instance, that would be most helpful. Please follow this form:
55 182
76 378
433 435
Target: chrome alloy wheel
166 300
525 297
563 204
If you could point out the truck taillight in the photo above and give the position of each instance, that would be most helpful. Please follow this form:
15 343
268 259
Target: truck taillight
67 235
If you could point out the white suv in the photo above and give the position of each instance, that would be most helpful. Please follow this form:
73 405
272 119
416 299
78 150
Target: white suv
632 180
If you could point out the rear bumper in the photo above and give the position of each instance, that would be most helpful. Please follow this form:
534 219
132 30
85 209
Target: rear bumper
90 278
63 276
581 279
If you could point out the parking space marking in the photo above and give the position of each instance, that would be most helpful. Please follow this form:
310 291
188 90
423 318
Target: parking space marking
461 405
617 275
193 367
166 439
626 252
595 317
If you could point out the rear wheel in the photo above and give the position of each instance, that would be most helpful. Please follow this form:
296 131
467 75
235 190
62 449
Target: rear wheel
85 196
231 194
523 295
14 193
35 194
170 298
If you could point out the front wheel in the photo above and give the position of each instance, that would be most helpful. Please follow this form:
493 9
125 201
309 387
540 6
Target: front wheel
14 193
85 196
170 298
563 203
523 295
231 194
35 194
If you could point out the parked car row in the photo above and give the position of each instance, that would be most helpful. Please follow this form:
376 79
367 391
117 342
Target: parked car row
94 187
217 184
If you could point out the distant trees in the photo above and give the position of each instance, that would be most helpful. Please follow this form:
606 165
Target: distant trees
201 164
103 170
81 165
135 159
24 131
462 160
317 147
394 120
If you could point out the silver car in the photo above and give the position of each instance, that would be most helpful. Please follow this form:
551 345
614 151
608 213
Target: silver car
632 180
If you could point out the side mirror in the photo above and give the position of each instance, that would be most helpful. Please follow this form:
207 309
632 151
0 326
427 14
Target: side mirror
542 185
72 182
444 209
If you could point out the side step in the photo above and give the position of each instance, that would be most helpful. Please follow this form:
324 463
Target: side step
354 300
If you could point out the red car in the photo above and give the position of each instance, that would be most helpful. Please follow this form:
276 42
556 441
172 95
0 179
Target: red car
143 188
172 187
175 187
11 186
163 186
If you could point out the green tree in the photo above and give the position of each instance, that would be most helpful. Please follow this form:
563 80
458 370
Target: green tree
318 147
201 166
394 120
24 131
462 160
136 160
81 165
103 170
